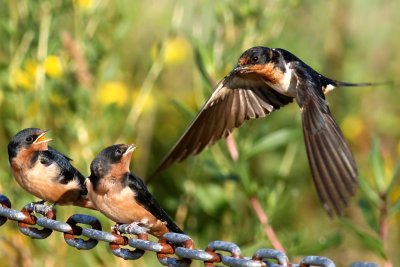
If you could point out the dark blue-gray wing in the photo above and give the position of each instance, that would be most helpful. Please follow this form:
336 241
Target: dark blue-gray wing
235 99
333 168
146 199
67 171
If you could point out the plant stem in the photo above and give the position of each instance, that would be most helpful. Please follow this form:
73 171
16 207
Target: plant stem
268 230
384 224
232 148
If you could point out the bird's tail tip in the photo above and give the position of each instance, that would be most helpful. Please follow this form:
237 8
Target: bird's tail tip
348 84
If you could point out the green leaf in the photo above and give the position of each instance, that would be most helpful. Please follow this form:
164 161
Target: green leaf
395 208
298 242
326 242
201 66
377 165
369 213
210 197
395 179
370 242
272 141
370 193
184 109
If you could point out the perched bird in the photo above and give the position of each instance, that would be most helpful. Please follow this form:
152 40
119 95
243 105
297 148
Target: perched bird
264 80
43 171
122 196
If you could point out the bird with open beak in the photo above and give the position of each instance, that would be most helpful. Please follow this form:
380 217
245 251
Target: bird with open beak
122 196
45 172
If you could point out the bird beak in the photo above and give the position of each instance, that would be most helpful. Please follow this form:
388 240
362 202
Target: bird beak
240 69
126 157
42 138
130 150
237 68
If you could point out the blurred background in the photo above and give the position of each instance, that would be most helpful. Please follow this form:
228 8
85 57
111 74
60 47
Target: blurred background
99 72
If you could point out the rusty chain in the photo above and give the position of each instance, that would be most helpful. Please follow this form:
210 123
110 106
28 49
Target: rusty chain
172 249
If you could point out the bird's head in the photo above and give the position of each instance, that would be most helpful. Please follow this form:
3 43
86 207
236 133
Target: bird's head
112 161
30 139
256 56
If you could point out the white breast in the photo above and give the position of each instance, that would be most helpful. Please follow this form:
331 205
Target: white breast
288 84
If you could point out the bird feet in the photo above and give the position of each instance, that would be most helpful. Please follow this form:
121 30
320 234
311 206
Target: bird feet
115 229
136 228
132 228
41 208
47 209
36 203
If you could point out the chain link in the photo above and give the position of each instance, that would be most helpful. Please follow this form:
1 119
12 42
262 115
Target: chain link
172 249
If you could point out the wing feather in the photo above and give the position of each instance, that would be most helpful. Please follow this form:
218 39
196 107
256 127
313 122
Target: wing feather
236 98
332 165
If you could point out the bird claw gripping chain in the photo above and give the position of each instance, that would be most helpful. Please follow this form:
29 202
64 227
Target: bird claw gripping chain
130 242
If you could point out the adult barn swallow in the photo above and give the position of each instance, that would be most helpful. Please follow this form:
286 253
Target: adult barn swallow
122 196
264 80
43 171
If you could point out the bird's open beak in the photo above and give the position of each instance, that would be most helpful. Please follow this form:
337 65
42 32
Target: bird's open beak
126 157
130 150
42 138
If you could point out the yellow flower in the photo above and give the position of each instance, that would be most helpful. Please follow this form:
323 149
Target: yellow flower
84 4
21 78
352 127
31 67
53 66
113 92
176 51
24 78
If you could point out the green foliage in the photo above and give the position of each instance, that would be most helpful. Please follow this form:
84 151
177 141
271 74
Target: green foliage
376 204
98 72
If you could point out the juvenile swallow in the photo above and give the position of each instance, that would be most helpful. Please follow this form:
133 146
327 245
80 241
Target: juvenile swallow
122 196
264 80
43 171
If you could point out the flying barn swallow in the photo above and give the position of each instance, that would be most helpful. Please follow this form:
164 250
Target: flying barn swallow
122 196
264 80
43 171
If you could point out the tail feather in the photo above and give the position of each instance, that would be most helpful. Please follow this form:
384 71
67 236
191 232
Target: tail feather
348 84
329 84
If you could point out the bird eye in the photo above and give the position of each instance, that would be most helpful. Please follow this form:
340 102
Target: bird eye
29 139
254 59
118 152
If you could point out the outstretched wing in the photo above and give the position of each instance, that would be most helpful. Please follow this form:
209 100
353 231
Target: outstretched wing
332 165
237 98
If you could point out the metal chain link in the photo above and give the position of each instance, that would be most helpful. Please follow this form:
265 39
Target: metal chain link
172 249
